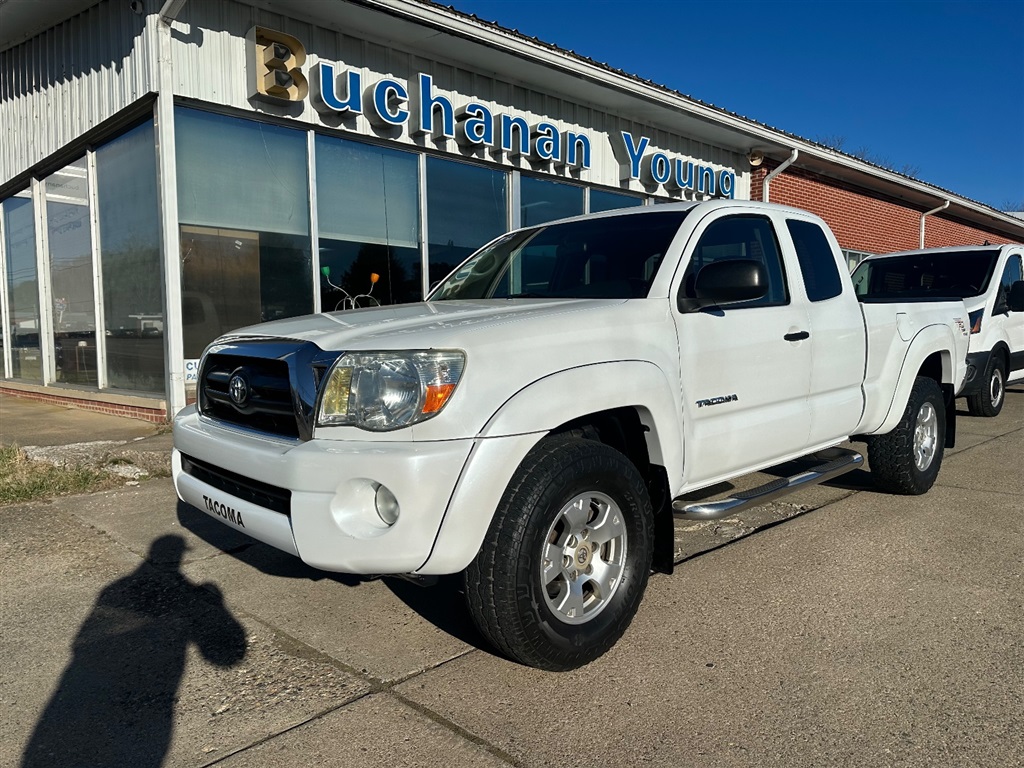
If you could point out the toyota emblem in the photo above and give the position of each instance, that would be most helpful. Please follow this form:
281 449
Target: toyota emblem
238 389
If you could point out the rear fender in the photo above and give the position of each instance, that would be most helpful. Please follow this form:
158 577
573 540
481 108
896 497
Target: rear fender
934 341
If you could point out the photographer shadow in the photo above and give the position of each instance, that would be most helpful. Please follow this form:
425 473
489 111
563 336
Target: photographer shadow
114 704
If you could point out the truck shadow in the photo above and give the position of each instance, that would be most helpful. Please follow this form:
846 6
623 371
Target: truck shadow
262 557
442 603
115 701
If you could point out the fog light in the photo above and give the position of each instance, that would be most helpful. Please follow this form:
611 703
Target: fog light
387 505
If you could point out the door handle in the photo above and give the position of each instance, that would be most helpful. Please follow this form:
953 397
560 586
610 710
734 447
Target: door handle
798 336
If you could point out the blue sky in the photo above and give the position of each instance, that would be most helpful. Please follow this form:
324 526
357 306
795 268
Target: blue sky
930 88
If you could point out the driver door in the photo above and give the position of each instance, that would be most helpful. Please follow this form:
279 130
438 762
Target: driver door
745 368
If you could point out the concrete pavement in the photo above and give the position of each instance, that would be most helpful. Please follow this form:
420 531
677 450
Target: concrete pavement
868 630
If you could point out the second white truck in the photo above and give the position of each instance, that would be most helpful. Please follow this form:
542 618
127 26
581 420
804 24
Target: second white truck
535 422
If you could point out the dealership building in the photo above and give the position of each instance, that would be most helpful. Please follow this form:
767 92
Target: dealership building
171 170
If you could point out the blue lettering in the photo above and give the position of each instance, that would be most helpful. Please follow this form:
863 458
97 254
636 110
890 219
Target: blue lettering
547 144
326 93
635 153
726 183
684 174
705 180
428 103
388 94
477 124
661 167
577 144
507 124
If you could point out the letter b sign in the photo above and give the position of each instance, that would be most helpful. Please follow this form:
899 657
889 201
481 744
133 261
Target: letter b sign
274 63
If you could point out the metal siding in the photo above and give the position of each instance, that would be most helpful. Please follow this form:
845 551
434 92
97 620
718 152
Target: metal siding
64 82
60 84
214 72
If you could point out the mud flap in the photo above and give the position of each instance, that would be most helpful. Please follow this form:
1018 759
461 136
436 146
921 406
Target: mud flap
663 560
950 396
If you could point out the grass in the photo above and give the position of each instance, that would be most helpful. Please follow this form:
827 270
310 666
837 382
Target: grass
22 479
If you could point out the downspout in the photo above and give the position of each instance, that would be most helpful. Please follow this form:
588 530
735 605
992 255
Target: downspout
170 10
942 207
776 172
167 191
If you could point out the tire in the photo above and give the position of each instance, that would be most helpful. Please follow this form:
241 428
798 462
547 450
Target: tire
907 460
574 501
989 401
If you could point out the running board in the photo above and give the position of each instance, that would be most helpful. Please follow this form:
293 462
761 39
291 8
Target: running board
837 461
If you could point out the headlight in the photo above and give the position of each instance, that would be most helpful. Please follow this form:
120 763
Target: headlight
380 391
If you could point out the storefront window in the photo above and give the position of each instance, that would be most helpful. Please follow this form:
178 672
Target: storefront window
543 200
369 222
133 306
69 240
466 207
22 289
609 201
243 205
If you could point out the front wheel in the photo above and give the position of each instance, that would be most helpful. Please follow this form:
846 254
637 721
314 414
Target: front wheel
989 401
907 460
565 563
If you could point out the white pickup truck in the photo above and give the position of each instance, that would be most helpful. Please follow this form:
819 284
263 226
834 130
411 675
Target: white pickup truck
536 420
990 280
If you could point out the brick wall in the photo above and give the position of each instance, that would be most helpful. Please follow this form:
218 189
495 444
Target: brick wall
155 415
866 221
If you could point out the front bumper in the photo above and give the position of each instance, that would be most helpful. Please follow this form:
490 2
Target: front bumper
329 516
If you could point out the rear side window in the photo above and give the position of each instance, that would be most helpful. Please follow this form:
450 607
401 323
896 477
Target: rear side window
817 263
740 237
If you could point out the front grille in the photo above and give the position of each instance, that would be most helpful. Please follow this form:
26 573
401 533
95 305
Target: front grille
268 403
261 494
265 384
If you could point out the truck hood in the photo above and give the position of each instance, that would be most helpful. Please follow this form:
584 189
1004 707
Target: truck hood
423 325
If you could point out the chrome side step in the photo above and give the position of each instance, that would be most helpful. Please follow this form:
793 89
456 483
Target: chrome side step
836 461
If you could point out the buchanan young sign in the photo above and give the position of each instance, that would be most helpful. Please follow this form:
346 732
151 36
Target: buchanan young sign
275 62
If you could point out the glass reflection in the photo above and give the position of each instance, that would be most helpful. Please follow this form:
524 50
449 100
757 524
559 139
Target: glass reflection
243 203
466 208
133 305
601 200
542 200
69 240
368 213
22 289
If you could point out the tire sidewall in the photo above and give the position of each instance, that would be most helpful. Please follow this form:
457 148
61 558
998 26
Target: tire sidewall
995 373
626 489
925 478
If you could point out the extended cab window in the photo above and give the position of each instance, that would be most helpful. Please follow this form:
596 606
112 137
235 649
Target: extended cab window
740 237
1011 274
817 262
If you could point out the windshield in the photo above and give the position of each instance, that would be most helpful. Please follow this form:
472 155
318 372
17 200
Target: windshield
953 274
613 257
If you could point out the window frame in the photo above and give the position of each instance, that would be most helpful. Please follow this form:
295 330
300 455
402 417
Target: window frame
764 301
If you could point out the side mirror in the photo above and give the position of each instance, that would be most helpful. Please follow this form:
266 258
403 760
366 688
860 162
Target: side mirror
1015 300
729 281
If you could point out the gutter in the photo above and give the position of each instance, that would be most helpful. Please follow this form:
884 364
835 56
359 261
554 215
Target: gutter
942 207
767 179
452 22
